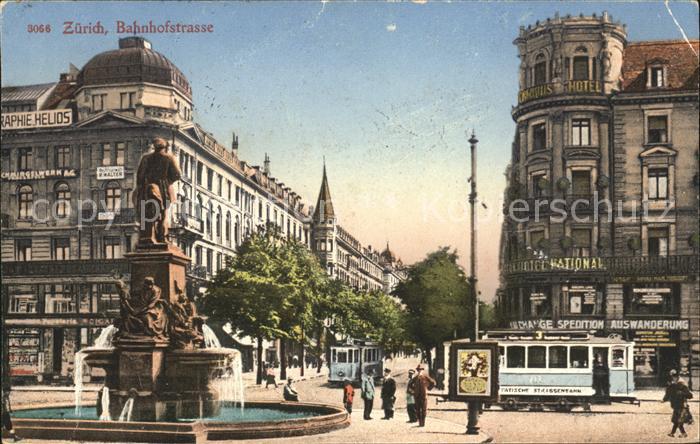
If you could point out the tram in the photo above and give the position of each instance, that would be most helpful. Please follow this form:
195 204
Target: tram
353 359
558 369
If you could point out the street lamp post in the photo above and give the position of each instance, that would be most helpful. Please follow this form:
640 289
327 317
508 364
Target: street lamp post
473 406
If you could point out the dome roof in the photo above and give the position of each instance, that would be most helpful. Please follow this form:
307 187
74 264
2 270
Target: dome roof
133 62
387 255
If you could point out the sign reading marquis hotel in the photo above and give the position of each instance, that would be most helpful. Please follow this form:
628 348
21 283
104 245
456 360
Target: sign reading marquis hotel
556 263
37 119
548 89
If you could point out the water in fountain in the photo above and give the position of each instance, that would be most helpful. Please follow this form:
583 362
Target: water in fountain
125 415
210 339
103 342
105 405
229 383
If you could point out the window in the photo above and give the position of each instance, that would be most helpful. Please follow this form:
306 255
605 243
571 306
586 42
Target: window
657 129
515 357
60 299
25 199
220 185
61 248
198 255
342 356
106 154
210 260
23 250
62 199
112 248
582 242
121 153
98 102
228 190
23 303
200 167
238 196
62 156
126 100
580 68
537 356
657 77
210 179
539 137
113 197
658 241
581 132
584 299
652 299
227 228
658 183
578 357
540 70
218 223
237 231
538 185
581 182
24 159
536 238
557 356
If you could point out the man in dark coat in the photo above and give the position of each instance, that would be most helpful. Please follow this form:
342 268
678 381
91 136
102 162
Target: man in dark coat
677 393
421 384
388 394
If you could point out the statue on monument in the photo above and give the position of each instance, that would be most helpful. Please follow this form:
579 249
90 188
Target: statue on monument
157 172
145 315
186 326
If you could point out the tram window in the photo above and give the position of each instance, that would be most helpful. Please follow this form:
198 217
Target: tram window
357 355
557 356
618 357
578 358
515 357
536 356
333 356
342 357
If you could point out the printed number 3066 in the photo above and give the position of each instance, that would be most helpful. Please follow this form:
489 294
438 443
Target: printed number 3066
39 28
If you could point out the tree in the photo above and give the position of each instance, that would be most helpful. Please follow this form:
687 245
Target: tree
248 292
438 300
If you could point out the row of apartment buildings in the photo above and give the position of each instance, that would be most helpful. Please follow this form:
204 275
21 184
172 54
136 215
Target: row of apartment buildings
69 154
602 196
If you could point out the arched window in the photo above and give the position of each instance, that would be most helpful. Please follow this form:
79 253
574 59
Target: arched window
113 197
540 70
218 223
198 208
227 228
210 215
25 199
237 231
62 199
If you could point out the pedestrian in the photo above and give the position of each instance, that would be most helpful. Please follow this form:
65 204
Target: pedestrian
678 394
6 418
367 393
410 399
348 395
289 393
270 377
421 384
601 377
388 394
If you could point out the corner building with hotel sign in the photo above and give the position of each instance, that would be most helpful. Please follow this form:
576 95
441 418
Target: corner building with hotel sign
70 150
601 205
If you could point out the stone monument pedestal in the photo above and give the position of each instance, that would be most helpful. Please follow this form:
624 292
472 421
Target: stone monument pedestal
165 263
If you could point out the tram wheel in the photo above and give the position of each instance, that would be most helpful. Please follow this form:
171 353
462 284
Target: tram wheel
586 406
510 405
563 405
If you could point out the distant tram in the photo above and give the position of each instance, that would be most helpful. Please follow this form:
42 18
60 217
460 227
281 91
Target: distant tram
556 369
353 359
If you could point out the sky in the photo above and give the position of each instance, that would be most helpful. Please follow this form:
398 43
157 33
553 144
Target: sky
387 92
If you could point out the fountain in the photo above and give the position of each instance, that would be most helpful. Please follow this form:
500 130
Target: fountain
167 377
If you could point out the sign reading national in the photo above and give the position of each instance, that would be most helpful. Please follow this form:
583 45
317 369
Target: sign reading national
50 118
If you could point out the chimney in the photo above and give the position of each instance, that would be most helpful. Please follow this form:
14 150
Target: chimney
234 145
266 165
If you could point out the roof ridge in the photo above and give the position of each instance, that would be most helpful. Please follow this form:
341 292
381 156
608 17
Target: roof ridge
662 42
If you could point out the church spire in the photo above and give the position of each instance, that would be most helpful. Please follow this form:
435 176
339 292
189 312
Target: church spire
324 205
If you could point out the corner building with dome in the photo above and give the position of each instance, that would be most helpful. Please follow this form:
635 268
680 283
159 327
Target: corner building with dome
78 141
601 205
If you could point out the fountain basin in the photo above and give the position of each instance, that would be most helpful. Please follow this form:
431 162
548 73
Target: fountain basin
262 419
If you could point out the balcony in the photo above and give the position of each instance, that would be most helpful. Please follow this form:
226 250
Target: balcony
187 226
87 267
196 272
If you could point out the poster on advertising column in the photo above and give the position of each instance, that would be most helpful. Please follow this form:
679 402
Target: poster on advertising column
473 371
